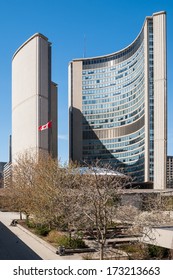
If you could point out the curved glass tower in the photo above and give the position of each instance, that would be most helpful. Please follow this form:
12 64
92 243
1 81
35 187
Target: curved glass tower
117 106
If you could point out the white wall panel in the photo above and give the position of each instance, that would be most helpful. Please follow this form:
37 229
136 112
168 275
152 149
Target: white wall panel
30 87
160 99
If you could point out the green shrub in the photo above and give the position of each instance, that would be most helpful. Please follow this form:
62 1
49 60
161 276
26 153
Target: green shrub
42 230
38 228
156 252
68 242
77 243
30 224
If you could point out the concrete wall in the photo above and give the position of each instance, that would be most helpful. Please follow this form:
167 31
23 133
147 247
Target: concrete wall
75 104
160 101
30 95
161 236
54 130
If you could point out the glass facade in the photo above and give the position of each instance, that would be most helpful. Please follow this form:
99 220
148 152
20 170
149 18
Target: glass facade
151 99
117 103
112 98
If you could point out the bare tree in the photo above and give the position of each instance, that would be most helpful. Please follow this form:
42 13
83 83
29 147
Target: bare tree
94 201
19 190
34 187
84 199
94 205
152 212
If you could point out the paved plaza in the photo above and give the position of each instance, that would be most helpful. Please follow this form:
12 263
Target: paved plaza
17 243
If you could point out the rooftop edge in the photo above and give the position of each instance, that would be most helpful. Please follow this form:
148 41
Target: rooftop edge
27 41
110 54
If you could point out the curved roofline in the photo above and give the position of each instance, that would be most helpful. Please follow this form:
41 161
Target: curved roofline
115 53
97 170
159 13
26 42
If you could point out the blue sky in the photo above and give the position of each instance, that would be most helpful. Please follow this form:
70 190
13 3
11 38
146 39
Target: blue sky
106 25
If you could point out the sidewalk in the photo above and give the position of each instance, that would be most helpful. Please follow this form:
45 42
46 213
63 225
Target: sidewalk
39 246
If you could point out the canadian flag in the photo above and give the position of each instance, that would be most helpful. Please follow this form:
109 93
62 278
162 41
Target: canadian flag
45 126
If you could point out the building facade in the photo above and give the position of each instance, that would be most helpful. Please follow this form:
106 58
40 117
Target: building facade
170 171
7 174
34 98
118 106
2 164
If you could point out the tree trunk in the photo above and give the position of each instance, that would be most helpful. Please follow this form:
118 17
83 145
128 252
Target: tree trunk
101 251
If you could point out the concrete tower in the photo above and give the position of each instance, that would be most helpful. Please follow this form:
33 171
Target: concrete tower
34 98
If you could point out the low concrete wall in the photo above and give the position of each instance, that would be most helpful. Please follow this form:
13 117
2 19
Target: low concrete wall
160 236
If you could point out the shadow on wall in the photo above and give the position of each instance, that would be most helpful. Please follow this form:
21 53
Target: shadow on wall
94 150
